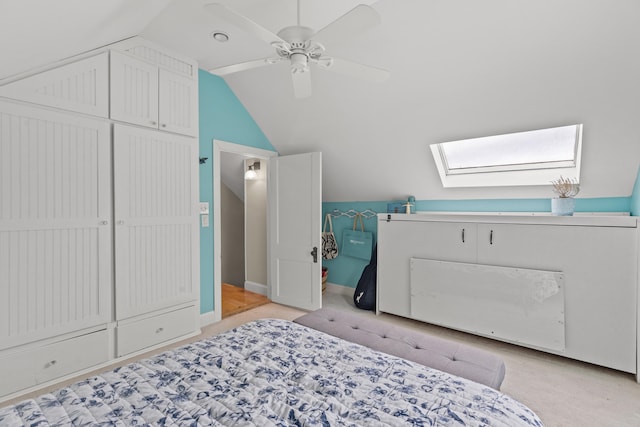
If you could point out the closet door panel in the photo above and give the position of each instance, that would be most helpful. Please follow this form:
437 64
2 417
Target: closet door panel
178 107
55 210
134 90
156 193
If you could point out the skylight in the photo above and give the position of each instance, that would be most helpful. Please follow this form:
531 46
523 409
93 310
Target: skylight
523 158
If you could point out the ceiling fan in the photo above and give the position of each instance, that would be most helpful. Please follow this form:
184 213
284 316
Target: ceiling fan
302 46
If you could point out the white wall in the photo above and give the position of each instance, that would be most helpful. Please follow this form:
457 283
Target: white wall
256 226
232 237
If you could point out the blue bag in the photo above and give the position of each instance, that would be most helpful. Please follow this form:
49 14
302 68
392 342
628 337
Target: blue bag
357 243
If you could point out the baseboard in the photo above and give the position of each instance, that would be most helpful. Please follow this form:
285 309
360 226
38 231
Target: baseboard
261 289
208 318
258 288
339 289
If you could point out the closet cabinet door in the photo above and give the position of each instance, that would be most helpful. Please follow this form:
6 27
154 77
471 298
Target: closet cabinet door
134 90
55 223
398 241
144 94
178 103
156 231
600 271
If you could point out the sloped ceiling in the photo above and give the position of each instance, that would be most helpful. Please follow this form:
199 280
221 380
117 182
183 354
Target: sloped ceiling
459 69
39 32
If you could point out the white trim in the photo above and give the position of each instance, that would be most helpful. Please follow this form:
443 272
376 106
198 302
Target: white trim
258 288
207 319
229 147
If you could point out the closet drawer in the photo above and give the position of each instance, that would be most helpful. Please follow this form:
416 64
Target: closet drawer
37 365
151 331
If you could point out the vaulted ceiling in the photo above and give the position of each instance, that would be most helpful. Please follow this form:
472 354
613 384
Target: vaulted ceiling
459 69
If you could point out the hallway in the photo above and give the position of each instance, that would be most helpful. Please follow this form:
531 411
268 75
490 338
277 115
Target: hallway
236 300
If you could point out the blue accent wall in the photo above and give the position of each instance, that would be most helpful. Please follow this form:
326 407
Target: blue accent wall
635 197
222 117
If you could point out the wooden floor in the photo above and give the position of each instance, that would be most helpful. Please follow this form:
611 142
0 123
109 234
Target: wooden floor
236 300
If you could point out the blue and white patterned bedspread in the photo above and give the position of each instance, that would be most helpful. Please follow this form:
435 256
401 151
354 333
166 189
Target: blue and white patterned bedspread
272 373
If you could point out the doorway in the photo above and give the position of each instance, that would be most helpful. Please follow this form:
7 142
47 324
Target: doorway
236 300
229 164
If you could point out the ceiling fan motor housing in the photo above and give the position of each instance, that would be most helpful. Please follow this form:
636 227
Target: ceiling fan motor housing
299 47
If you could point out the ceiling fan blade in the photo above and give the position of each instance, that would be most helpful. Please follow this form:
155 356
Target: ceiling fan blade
351 68
356 21
243 23
302 84
242 66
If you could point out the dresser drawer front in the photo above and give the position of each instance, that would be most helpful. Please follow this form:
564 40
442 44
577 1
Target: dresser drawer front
151 331
23 369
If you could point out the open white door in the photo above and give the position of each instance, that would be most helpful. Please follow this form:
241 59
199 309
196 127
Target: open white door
295 210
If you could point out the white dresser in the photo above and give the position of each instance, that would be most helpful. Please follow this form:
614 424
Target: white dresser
564 285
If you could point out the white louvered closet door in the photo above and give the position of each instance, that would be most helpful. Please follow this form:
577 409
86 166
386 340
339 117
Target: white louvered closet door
55 223
156 200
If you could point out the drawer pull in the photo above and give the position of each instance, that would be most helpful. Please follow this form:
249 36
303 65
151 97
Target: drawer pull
491 238
50 364
159 330
463 235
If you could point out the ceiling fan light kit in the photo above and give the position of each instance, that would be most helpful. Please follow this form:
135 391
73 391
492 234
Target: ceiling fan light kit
302 46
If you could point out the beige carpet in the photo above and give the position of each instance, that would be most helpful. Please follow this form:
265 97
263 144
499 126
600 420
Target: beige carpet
563 392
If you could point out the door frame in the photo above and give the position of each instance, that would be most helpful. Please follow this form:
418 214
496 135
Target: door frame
220 146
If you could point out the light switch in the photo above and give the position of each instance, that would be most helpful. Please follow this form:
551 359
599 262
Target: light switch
205 220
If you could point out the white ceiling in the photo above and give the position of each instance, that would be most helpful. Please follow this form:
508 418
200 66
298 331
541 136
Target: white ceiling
459 69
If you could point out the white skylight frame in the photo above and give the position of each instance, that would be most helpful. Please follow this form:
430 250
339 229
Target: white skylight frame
533 158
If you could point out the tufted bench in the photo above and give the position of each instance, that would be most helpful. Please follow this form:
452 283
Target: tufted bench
455 358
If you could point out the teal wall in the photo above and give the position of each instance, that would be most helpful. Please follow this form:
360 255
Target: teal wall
346 270
635 197
222 117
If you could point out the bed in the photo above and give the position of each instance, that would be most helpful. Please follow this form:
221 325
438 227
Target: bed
273 372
